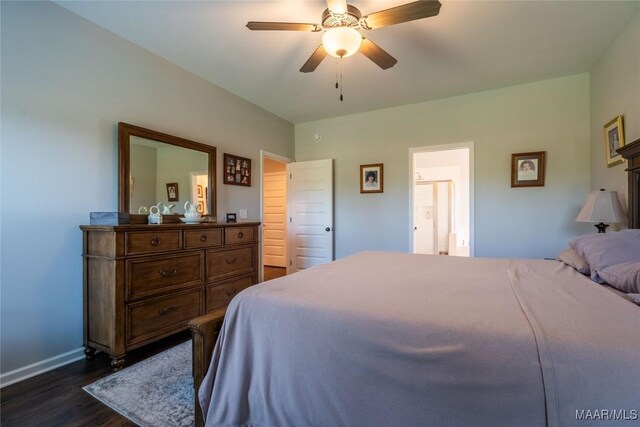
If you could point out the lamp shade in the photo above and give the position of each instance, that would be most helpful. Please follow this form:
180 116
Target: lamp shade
341 41
602 206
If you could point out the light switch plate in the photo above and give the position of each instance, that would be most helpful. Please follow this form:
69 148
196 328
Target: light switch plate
243 214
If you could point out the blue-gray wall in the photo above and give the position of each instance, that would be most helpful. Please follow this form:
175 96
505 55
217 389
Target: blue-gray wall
66 83
535 222
615 90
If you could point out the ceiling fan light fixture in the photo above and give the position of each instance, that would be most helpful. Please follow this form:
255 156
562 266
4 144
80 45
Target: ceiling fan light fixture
341 42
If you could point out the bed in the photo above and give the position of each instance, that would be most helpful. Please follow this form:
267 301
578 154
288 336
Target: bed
400 340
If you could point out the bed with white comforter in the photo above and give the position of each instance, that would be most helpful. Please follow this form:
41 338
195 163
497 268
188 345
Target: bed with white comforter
392 339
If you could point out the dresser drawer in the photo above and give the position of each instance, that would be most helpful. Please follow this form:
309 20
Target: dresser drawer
152 276
149 242
163 315
233 235
202 238
220 294
230 262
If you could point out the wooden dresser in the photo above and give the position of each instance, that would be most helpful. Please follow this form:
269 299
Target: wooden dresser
144 282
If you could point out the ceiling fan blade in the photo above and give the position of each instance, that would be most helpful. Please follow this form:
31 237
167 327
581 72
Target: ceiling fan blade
404 13
377 54
337 6
282 26
314 60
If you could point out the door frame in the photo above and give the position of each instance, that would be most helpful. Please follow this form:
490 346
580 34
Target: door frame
411 177
264 154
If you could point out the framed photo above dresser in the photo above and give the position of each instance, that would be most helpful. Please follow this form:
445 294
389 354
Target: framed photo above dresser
237 170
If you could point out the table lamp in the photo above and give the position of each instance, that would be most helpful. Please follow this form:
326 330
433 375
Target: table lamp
600 207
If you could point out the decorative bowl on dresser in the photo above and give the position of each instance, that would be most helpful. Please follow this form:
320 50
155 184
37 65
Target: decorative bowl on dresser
145 282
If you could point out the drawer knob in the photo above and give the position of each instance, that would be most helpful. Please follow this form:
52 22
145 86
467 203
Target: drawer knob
231 261
168 309
231 293
240 235
155 241
168 273
203 238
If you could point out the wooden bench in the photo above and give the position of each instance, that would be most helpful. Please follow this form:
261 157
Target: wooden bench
205 330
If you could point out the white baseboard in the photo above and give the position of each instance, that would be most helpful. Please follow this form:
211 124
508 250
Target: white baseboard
40 367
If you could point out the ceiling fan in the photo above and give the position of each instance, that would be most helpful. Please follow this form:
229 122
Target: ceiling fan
340 23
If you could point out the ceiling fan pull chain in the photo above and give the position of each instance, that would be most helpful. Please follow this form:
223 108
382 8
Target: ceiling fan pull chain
339 71
341 85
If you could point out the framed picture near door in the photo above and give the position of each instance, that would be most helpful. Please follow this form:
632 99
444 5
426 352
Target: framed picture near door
372 178
527 169
237 170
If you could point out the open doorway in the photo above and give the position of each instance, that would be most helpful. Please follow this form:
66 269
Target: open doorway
274 213
442 200
200 192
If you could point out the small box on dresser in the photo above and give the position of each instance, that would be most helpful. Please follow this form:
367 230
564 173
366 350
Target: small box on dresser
109 218
144 282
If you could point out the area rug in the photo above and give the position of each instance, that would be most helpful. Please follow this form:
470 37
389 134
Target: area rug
157 392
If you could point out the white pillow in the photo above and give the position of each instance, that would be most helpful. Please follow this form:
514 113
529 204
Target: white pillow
575 261
603 250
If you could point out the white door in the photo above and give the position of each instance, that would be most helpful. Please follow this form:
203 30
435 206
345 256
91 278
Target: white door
274 218
310 212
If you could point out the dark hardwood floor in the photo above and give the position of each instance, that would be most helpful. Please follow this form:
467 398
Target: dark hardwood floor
56 398
273 272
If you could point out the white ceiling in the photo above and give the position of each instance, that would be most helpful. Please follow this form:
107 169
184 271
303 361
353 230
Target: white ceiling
470 46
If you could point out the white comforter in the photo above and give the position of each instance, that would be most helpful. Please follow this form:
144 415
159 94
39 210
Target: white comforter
390 339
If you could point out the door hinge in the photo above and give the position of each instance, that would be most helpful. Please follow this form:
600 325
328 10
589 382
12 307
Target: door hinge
290 176
290 219
290 263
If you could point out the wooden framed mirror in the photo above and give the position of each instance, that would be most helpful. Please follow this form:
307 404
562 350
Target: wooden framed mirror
154 167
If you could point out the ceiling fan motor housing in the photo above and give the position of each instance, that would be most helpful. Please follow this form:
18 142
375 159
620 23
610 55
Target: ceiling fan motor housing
349 19
342 37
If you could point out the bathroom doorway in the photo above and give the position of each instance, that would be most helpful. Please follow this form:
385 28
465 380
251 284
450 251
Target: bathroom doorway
442 200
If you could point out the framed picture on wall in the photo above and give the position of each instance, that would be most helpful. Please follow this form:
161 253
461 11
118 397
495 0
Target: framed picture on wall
237 170
527 169
372 178
613 139
172 191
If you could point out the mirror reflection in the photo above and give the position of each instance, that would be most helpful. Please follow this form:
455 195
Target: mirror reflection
157 168
168 174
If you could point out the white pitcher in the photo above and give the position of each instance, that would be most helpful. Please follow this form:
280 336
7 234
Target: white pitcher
167 209
191 210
